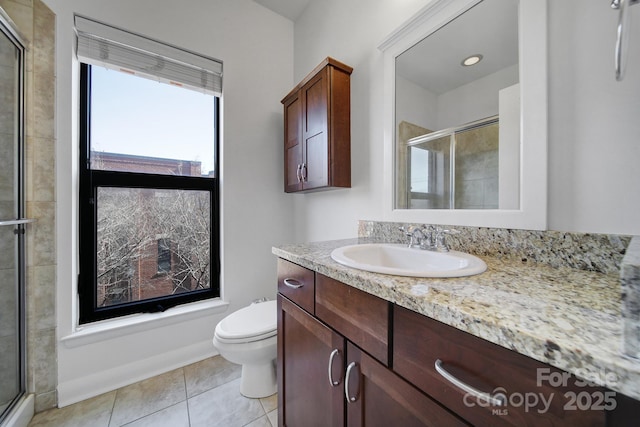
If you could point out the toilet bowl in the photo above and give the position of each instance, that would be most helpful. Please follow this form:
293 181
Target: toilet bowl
248 337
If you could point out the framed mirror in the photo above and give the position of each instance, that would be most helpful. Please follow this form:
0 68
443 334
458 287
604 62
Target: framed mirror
465 144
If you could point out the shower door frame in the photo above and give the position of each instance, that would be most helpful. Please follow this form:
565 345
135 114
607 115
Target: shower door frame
451 133
8 29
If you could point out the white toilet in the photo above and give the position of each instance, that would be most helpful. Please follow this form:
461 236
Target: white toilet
248 337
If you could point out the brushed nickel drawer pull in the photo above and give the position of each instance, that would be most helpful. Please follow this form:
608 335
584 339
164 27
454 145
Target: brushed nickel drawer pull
350 399
333 382
293 283
497 400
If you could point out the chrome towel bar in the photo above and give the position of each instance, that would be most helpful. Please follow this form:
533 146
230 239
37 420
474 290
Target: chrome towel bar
17 221
622 35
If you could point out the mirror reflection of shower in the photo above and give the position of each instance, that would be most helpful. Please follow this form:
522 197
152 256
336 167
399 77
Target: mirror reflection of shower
460 168
459 74
12 223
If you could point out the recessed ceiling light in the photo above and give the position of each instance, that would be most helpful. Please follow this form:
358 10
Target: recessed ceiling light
471 60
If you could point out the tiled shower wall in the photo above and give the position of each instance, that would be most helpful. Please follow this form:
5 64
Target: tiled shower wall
477 168
36 23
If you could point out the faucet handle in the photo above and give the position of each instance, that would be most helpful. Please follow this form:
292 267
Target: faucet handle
409 233
406 231
439 230
440 241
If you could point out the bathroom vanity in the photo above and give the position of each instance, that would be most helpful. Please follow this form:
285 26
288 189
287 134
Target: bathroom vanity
511 346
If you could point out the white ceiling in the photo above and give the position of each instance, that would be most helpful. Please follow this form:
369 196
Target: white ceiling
291 9
490 29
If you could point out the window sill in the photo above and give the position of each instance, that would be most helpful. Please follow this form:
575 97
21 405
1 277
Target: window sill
112 328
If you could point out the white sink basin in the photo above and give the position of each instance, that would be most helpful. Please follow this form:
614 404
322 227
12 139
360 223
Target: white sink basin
400 260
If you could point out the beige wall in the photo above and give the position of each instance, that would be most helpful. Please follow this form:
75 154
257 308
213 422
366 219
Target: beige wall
36 23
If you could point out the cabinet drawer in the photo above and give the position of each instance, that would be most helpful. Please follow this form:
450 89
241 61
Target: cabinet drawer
419 342
359 316
296 283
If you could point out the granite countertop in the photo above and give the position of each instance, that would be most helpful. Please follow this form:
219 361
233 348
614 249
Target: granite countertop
568 318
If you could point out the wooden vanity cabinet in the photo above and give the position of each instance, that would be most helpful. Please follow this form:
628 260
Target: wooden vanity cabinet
317 130
375 396
348 358
350 335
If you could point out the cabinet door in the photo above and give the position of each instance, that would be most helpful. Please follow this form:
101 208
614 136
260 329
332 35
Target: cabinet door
378 397
293 143
310 370
315 95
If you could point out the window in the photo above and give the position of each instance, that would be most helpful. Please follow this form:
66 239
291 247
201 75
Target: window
149 209
164 256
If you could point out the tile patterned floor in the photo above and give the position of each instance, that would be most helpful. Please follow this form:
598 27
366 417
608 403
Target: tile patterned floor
204 394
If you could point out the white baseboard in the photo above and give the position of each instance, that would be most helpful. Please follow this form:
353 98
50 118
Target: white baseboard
93 385
23 412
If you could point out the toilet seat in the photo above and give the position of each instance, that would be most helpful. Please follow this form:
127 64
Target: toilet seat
253 323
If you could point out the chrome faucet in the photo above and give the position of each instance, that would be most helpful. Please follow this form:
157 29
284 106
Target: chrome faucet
429 238
420 236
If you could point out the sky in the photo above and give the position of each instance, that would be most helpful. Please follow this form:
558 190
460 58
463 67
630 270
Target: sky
134 115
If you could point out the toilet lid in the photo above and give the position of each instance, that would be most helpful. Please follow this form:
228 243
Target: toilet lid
256 321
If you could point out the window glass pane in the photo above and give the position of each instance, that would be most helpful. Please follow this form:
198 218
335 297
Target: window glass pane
164 256
430 174
151 243
141 125
419 170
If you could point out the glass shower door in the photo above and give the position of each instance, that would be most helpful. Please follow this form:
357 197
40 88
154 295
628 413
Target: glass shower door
12 222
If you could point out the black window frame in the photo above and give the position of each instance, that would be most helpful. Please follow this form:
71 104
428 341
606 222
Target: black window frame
90 180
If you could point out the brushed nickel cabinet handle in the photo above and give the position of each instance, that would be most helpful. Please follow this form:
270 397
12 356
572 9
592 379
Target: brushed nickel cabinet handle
299 173
293 283
304 171
350 399
333 382
496 400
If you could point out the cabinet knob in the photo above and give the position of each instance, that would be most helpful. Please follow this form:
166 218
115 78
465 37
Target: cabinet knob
350 398
333 382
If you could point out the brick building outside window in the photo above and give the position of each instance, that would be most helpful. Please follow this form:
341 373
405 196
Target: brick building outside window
150 240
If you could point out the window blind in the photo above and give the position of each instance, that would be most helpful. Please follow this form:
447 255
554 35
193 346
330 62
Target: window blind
111 47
